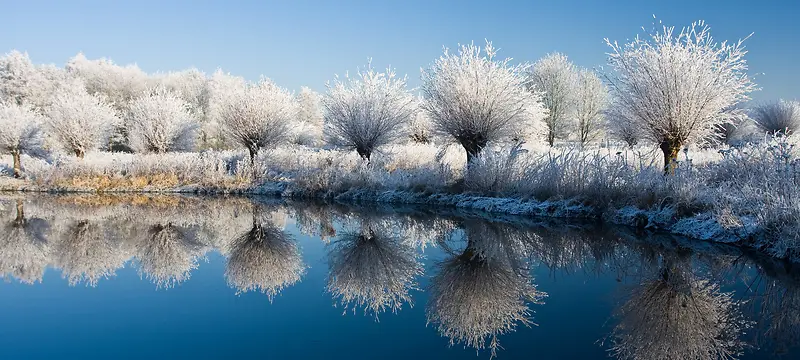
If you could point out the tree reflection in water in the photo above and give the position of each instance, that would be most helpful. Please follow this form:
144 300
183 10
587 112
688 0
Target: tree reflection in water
167 254
485 290
264 259
372 269
675 315
24 250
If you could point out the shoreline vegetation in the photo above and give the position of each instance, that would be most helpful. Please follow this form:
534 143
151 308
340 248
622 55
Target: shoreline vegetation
744 196
664 140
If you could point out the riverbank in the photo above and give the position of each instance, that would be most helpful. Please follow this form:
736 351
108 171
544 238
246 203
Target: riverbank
748 197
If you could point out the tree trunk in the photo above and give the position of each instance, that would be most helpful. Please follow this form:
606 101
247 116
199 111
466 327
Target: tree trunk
551 138
17 164
79 153
253 153
670 148
20 219
364 153
473 149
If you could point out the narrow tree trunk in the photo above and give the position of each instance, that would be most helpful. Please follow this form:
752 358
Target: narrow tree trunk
20 219
17 164
364 153
473 149
79 153
670 148
253 153
551 138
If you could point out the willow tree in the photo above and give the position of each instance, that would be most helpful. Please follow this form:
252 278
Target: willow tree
474 98
24 250
367 111
168 253
678 87
372 269
257 115
20 133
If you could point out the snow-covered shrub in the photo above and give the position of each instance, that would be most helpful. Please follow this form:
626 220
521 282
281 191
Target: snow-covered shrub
365 112
159 121
80 121
20 132
781 117
677 88
473 98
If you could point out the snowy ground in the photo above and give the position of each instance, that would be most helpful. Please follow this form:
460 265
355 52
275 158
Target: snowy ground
747 196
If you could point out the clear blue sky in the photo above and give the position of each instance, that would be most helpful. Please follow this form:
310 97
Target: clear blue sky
300 43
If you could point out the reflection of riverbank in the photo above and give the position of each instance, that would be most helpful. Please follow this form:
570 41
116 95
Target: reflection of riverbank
478 291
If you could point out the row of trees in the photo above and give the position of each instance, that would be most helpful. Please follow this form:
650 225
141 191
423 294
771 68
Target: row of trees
670 88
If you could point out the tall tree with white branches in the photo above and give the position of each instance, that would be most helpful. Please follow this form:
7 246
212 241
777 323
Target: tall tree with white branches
160 121
678 87
556 76
79 121
474 98
591 99
20 132
367 111
256 115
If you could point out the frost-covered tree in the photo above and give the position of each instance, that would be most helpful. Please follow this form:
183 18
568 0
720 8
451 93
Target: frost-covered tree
20 80
20 132
590 101
621 127
84 252
119 84
473 98
372 269
256 115
264 259
420 127
556 77
79 121
308 129
367 111
192 86
678 87
781 117
160 121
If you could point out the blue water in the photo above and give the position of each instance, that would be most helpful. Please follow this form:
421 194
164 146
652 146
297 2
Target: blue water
578 283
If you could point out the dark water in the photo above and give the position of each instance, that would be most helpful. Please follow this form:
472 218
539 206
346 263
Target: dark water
186 278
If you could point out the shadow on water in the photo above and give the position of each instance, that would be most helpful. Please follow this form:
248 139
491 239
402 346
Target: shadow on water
679 299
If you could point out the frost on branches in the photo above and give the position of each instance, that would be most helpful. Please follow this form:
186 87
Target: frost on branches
22 82
79 121
308 130
20 132
781 117
678 87
591 100
159 122
255 115
473 98
367 111
556 77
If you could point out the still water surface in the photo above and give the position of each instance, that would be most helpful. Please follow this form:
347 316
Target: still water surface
167 277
